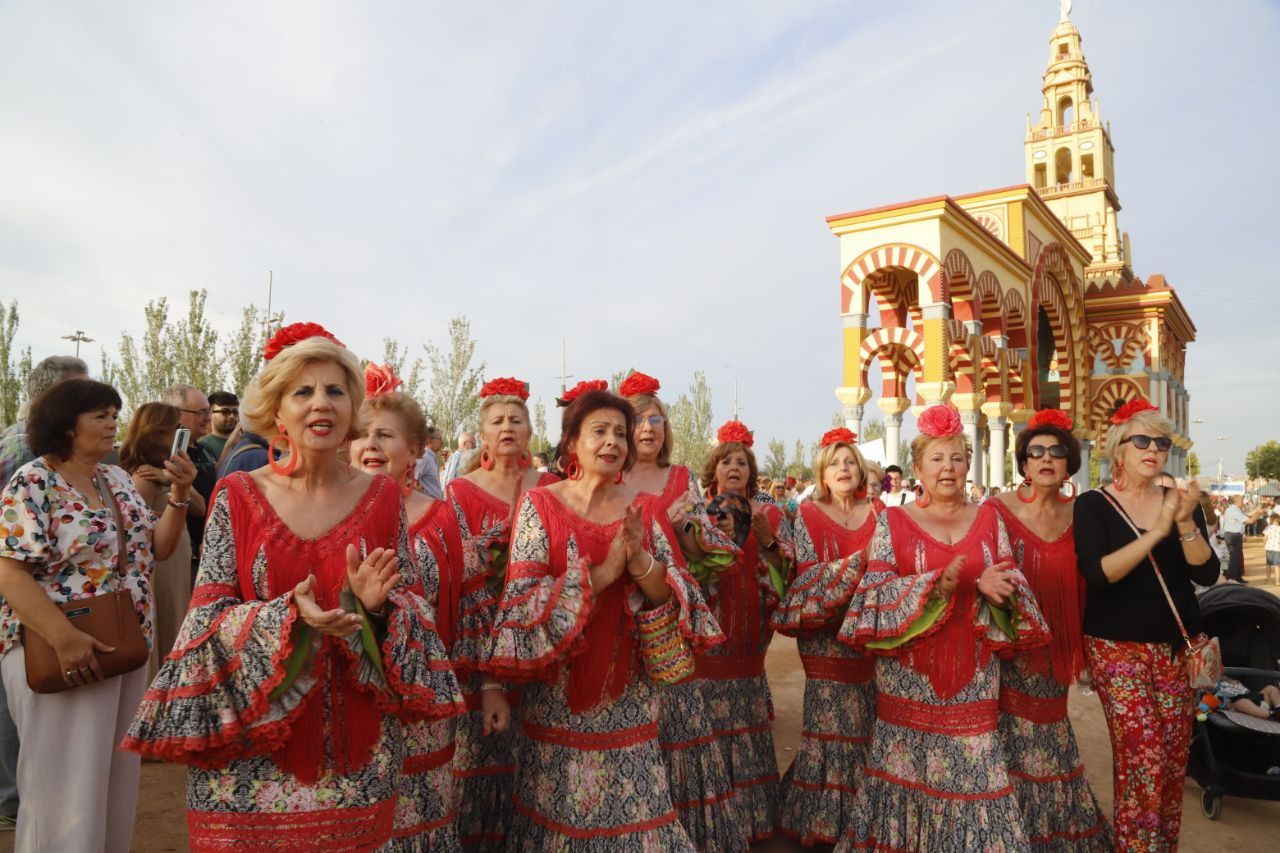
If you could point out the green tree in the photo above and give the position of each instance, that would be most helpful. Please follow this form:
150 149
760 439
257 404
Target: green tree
775 463
1263 461
397 356
454 383
871 430
798 466
13 377
541 441
1193 464
691 418
242 350
146 368
193 346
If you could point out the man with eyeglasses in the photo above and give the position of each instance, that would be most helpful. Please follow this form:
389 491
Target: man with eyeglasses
225 410
1233 523
196 415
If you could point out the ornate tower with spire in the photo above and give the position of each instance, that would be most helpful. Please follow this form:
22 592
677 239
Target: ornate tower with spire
1070 158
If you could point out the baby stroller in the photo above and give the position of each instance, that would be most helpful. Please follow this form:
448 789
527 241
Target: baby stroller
1231 752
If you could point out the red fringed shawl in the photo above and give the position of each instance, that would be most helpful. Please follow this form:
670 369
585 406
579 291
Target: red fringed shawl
1051 572
340 722
949 653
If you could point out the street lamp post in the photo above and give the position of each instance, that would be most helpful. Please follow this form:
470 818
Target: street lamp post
80 338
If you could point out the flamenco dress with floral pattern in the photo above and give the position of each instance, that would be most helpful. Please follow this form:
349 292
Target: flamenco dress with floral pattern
591 774
935 778
733 686
839 689
294 740
1059 809
697 772
473 532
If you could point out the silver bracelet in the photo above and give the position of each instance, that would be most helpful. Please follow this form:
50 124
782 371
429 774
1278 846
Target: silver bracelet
1192 535
491 685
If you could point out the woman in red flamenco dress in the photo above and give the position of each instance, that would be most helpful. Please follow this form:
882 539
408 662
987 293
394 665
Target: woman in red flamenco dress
307 649
939 599
831 534
1059 809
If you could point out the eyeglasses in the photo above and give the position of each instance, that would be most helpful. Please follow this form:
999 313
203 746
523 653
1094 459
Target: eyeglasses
1142 442
655 421
225 411
1036 451
199 413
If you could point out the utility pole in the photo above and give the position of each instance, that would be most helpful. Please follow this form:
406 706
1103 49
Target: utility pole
735 400
564 375
266 322
79 338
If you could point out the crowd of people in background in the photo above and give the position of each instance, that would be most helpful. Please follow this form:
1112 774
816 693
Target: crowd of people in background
360 640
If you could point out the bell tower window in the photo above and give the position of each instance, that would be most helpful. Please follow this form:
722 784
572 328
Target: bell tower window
1066 111
1086 167
1062 166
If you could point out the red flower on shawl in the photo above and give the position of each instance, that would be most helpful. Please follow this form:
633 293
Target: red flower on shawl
1131 408
380 379
940 421
735 431
581 388
291 334
638 383
507 386
1050 417
839 435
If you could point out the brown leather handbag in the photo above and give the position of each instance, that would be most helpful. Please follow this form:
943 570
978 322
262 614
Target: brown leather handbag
109 618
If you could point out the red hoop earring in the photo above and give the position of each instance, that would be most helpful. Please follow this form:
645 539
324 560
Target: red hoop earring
526 459
290 451
486 458
924 500
618 479
1018 491
1071 493
410 484
573 470
860 492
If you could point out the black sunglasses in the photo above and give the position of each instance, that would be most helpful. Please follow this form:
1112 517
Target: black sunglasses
1142 442
1036 451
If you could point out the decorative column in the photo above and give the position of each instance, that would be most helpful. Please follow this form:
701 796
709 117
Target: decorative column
973 431
999 452
853 400
893 408
997 413
1081 478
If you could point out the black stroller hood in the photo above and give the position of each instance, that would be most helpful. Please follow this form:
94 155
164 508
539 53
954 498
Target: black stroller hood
1246 621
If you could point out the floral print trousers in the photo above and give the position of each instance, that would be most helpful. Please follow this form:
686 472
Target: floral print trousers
1148 703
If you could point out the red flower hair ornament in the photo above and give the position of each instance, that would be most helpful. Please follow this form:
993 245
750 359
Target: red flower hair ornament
638 383
839 435
581 388
380 379
940 421
1131 408
507 386
1050 417
735 431
291 334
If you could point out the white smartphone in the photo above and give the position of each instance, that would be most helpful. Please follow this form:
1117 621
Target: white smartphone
181 440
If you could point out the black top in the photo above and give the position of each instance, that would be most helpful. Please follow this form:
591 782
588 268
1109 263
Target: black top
1134 609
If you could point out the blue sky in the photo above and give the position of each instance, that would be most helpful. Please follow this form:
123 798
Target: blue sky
647 181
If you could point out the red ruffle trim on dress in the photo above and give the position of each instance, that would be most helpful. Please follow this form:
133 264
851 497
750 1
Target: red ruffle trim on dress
237 736
697 624
1033 633
819 594
409 698
867 600
521 648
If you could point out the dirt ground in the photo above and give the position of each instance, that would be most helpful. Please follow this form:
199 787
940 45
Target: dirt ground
1244 824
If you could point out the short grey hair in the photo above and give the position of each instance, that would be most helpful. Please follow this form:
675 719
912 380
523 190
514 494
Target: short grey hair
50 372
177 394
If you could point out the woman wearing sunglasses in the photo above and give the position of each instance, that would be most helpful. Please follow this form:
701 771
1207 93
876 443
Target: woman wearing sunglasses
1058 805
1123 532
